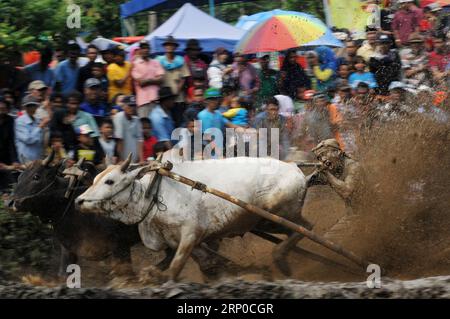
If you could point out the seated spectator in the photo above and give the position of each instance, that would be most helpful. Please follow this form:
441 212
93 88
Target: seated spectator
93 103
237 114
149 139
77 117
108 142
29 131
349 55
88 147
361 75
161 118
128 131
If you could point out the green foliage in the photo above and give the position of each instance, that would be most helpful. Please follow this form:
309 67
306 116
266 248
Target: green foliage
24 243
28 25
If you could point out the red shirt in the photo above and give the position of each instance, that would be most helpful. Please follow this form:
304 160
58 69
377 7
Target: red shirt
148 147
438 61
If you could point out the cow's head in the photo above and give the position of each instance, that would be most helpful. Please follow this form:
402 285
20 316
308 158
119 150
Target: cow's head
113 194
36 183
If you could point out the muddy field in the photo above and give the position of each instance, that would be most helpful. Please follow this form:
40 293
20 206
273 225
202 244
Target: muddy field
401 224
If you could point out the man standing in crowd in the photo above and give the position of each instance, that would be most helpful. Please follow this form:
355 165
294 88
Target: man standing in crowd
161 118
93 103
246 77
176 73
29 131
119 75
67 71
128 131
269 80
86 71
385 65
406 22
369 47
197 67
219 73
415 62
148 75
8 154
76 117
41 70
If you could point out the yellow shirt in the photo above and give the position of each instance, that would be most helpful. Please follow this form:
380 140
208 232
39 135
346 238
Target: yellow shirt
116 72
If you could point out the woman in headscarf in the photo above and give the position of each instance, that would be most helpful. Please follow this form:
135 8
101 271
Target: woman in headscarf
293 75
323 64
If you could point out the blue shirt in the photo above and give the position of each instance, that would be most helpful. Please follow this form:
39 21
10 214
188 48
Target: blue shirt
29 138
67 75
95 110
366 77
162 123
36 73
212 120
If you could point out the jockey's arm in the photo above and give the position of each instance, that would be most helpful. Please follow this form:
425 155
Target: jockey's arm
345 187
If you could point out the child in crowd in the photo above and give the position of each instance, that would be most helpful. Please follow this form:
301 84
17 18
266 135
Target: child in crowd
88 147
117 104
108 142
237 114
361 75
57 144
98 72
149 139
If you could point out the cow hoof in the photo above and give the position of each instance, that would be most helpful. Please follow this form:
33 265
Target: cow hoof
152 275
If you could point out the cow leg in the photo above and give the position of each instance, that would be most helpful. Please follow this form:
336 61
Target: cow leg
211 263
165 263
281 251
67 258
121 261
185 247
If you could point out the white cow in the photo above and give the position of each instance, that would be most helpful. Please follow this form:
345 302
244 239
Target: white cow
185 217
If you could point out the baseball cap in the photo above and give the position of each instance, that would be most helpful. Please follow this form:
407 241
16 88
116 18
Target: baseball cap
397 85
212 93
30 100
129 100
89 83
37 85
384 39
84 129
434 7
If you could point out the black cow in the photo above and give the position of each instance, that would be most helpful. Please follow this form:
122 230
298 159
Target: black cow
41 191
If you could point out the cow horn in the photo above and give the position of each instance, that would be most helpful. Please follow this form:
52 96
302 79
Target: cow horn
126 164
80 162
46 162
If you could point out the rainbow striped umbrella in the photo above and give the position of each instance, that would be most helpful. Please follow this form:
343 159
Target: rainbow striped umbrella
282 30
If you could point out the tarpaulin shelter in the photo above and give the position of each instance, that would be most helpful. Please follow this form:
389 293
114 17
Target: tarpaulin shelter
190 22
